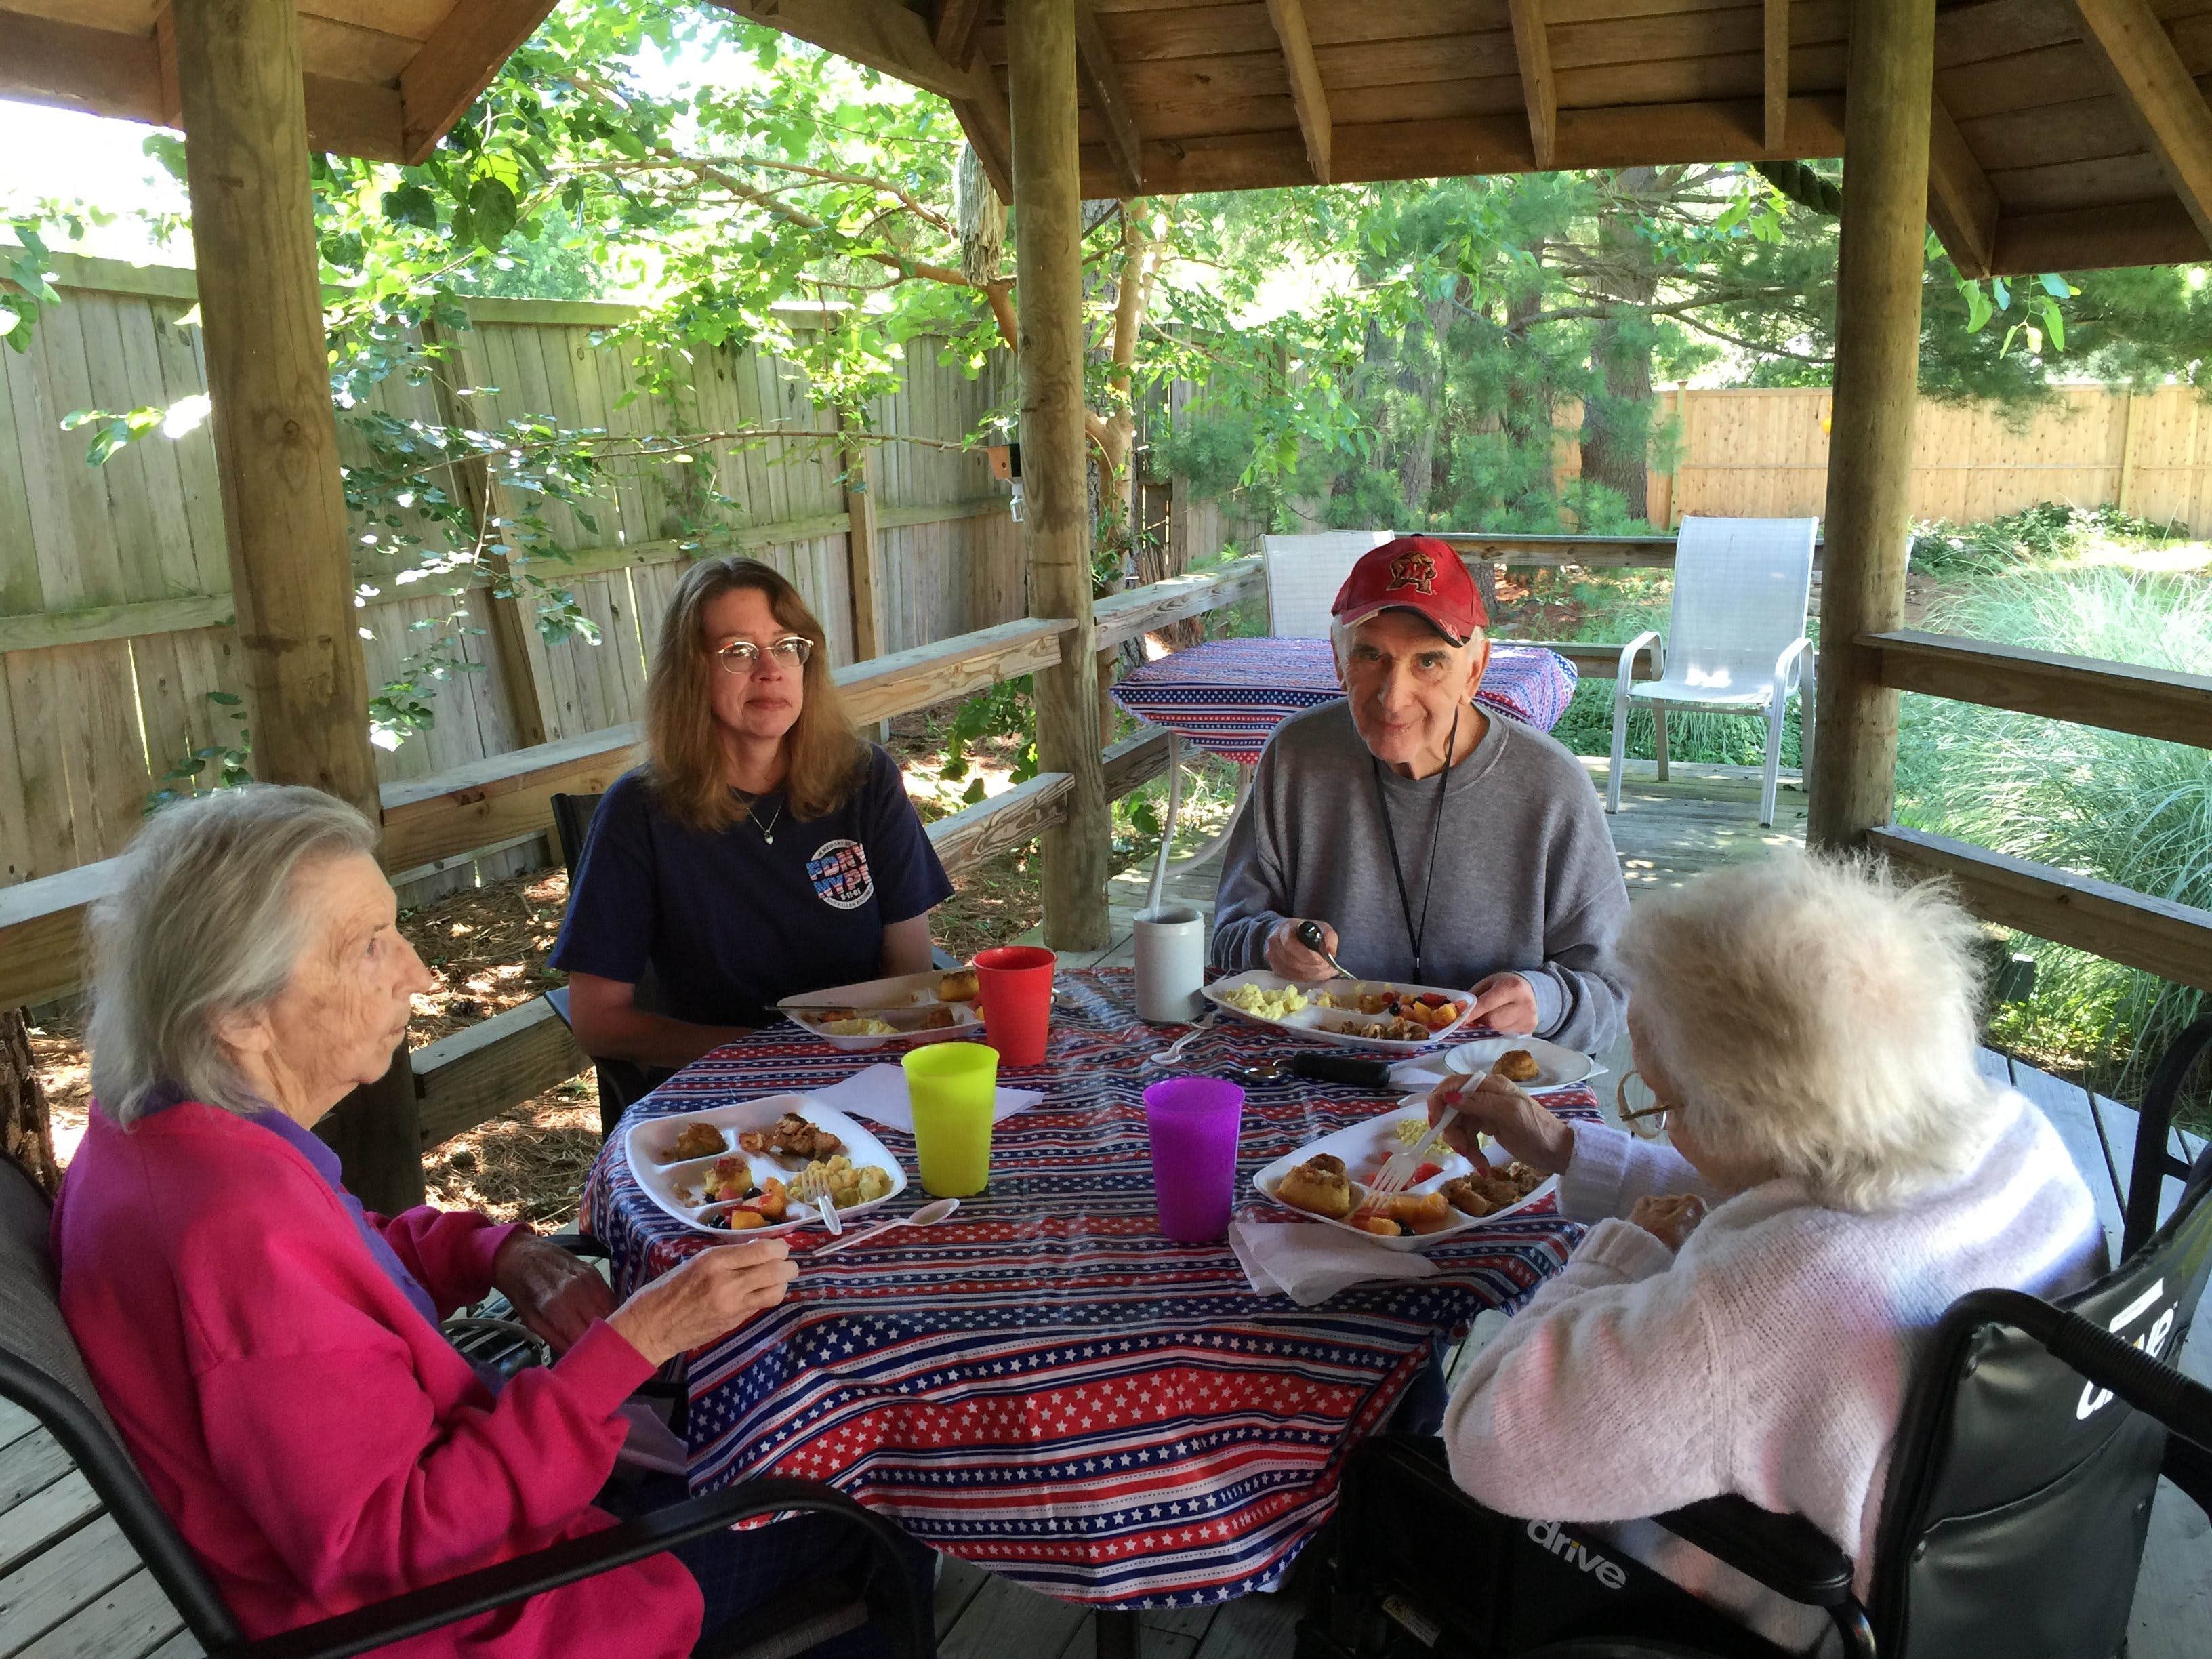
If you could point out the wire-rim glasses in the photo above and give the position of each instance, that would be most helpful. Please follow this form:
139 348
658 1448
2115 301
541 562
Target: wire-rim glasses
743 657
1642 1112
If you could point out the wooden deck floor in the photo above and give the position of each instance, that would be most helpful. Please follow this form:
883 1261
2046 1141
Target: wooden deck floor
69 1586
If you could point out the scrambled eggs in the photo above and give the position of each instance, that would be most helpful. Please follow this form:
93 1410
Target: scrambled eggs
848 1186
1267 1004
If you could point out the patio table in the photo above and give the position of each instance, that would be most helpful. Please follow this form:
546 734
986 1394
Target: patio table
1043 1384
1227 696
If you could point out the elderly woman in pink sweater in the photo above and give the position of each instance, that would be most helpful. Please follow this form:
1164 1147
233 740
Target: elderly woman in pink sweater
269 1351
1744 1314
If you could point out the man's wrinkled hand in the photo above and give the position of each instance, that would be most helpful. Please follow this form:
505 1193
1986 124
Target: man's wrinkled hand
1292 960
1504 1002
554 1295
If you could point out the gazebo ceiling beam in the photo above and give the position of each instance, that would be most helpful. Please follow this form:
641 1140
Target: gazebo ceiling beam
1649 134
1532 48
43 60
1777 74
959 23
2159 92
1962 205
1103 91
886 36
1308 96
458 63
2089 239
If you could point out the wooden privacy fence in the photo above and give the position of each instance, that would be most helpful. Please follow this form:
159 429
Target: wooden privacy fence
1764 454
115 584
474 1074
499 1062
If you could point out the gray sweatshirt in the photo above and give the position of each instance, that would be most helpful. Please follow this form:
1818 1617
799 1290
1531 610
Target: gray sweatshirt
1527 881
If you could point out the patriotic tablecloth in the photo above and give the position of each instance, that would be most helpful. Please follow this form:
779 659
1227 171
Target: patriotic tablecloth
1228 696
1042 1385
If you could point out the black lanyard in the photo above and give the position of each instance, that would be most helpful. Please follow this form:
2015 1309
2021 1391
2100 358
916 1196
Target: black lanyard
1436 827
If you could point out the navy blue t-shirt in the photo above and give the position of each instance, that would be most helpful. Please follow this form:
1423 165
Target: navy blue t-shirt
732 923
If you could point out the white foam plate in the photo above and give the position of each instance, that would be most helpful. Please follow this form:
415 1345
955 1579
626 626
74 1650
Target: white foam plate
1558 1068
885 998
1307 1022
1364 1147
660 1181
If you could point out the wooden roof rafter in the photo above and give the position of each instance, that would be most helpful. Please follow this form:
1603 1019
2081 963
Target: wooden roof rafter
1776 72
2129 39
1308 95
383 81
1532 48
1103 91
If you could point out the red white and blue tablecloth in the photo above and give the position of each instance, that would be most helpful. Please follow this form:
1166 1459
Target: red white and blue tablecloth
1228 696
1044 1385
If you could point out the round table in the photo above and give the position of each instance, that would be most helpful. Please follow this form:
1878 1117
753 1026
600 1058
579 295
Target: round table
1043 1384
1228 696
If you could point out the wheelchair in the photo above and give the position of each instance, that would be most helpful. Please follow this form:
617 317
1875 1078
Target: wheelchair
2018 1497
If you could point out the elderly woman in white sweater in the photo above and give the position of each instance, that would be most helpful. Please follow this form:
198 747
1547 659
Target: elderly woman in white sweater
1745 1313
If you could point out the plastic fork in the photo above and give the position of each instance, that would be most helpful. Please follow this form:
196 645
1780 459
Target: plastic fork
815 1189
1396 1175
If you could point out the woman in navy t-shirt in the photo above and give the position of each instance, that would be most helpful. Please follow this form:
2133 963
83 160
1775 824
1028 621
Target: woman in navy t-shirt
762 850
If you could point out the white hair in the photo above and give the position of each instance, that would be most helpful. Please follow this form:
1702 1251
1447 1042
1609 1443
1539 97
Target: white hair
201 923
1818 1018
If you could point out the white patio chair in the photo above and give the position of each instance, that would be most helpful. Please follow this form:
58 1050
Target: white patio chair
1737 644
1305 571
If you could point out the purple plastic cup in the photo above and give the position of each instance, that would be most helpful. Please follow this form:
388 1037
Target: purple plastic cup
1193 1122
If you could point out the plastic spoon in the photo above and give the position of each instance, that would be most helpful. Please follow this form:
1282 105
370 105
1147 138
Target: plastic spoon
927 1215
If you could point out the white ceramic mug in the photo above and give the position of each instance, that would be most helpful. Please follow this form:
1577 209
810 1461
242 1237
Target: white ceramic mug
1170 946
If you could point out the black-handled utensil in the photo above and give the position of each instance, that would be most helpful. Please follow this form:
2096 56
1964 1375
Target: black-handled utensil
1373 1074
1308 935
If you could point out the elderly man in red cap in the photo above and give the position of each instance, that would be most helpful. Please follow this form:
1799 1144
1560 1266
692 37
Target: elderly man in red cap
1433 843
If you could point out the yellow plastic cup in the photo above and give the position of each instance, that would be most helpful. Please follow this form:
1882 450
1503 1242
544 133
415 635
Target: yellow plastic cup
952 1087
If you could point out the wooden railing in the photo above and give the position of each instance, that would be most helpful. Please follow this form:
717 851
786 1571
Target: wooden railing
462 1080
2171 940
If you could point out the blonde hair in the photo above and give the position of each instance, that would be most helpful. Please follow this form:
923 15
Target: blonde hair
684 742
201 923
1820 1019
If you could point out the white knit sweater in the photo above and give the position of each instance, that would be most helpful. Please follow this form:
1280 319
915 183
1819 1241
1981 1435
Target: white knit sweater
1770 1358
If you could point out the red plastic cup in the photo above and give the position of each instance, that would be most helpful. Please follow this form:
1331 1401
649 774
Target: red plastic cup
1194 1122
1014 984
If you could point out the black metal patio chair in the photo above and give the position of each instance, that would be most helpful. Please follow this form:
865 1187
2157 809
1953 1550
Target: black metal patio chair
41 1370
2018 1497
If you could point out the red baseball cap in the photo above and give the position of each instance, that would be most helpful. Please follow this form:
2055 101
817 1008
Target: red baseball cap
1413 572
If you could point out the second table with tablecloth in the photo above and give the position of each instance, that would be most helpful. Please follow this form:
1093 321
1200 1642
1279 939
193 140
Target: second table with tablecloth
1228 696
1043 1385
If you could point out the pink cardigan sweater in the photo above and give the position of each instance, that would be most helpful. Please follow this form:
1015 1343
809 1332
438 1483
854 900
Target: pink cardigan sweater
314 1439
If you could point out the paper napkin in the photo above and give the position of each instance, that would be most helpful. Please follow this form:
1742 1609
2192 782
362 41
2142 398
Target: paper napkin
1310 1264
879 1094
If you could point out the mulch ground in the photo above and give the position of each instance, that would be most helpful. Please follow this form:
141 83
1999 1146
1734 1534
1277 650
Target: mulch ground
488 946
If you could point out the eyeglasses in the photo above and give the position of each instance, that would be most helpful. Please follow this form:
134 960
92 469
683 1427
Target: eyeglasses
743 657
1642 1112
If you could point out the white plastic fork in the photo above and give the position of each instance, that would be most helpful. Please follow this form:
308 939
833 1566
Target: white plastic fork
1397 1174
816 1189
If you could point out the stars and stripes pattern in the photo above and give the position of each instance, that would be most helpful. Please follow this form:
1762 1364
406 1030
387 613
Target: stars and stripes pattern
1228 696
1043 1384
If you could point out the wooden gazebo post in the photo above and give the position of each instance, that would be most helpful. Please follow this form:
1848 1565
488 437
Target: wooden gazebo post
1888 87
1049 281
277 457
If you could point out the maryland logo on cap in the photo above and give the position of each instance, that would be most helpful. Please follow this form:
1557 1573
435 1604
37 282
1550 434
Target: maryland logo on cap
1417 573
1415 569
